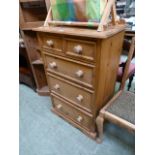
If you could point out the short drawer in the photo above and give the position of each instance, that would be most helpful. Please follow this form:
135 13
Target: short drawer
76 94
81 73
73 113
80 49
52 43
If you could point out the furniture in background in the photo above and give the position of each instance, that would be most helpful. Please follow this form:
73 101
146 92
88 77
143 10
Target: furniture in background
32 14
120 7
131 70
25 72
81 66
130 8
120 109
125 8
129 33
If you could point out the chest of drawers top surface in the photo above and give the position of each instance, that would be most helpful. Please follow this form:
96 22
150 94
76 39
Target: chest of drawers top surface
81 67
90 33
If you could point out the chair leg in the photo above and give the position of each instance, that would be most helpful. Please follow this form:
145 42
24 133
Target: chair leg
130 81
99 123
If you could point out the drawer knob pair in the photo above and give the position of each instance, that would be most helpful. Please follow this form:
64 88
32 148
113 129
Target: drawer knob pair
79 73
56 87
59 106
52 65
79 98
78 49
49 42
79 118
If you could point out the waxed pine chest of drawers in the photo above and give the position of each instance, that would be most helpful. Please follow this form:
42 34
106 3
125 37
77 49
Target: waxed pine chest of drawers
81 67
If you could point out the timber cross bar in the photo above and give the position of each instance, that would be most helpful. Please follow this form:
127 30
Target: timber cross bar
110 8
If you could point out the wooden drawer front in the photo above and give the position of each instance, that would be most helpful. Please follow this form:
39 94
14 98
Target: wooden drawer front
74 114
52 43
80 96
80 49
79 72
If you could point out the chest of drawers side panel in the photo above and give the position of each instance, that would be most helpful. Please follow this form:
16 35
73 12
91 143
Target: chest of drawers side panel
108 66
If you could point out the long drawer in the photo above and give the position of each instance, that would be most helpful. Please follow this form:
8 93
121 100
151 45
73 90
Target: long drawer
72 92
76 115
76 71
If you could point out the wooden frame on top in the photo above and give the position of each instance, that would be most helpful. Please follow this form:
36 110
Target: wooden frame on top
110 8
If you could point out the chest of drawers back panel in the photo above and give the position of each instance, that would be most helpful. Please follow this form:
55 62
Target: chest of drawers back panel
81 72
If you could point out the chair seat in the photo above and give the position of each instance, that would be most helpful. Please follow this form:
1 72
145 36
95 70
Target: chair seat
124 107
131 71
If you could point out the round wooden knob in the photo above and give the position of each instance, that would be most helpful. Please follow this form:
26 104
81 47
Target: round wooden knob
59 106
79 118
49 42
78 49
52 65
79 98
56 87
79 73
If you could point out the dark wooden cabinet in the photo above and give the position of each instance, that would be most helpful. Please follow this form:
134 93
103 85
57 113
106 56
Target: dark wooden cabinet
33 14
25 72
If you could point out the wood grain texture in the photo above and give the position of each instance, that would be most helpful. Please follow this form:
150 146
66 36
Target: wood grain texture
56 43
119 121
114 14
34 55
88 133
32 13
105 15
109 61
69 110
98 62
89 33
74 92
69 69
104 114
71 23
87 49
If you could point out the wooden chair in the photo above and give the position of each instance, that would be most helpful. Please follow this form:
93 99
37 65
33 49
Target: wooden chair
120 109
131 71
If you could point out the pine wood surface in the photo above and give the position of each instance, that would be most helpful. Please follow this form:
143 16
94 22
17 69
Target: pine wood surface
81 71
113 110
83 32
